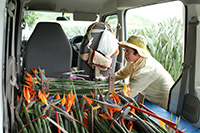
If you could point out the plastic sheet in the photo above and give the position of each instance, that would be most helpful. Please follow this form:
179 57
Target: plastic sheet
108 43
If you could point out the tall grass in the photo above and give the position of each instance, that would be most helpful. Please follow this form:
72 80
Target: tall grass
165 43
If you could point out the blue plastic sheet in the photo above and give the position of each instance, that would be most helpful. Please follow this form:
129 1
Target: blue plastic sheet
189 128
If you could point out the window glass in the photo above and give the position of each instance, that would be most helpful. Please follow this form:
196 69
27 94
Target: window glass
112 20
70 27
162 26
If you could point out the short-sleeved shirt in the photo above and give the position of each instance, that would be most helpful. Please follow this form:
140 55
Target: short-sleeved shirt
148 76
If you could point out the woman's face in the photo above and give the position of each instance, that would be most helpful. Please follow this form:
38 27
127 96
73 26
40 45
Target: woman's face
129 55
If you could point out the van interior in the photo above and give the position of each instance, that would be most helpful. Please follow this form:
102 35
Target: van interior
55 34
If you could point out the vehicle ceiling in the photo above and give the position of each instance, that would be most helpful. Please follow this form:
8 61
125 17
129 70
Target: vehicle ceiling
87 6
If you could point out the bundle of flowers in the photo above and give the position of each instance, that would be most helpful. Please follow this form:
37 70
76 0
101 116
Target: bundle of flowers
37 111
61 85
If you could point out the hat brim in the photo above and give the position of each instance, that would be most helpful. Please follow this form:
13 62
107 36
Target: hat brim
142 52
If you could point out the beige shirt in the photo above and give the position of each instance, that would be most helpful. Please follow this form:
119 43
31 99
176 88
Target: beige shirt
148 76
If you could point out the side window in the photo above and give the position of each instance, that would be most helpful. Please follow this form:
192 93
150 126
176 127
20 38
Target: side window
112 20
164 31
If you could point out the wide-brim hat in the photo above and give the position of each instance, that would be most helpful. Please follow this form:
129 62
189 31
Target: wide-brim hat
137 42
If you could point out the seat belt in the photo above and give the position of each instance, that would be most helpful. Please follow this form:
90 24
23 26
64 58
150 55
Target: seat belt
191 104
188 66
117 32
119 62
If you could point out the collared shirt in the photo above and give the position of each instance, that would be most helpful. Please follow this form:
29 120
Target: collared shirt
148 76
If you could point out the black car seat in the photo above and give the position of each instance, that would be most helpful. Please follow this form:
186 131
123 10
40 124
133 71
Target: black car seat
48 48
92 38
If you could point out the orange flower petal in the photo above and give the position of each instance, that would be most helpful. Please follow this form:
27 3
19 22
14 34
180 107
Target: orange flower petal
71 101
116 97
67 99
63 100
114 109
34 71
39 93
126 89
116 52
71 93
27 95
44 94
47 95
92 94
17 99
88 99
114 90
29 82
132 110
103 116
162 124
43 98
28 75
130 125
114 100
57 96
111 112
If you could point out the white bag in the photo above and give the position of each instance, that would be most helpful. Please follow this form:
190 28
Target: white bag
108 43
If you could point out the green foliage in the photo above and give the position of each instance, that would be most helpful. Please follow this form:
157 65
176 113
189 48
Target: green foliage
165 43
74 30
51 16
48 15
31 19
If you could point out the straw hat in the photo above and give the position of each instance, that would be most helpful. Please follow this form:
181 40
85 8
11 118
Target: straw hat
137 42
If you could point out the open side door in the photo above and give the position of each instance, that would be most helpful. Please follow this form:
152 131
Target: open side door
184 100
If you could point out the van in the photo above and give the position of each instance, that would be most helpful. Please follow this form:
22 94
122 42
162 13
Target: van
171 28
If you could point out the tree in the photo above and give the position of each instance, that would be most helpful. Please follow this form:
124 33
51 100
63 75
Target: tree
31 19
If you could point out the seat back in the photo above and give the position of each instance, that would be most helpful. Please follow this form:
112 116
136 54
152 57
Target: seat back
48 48
95 31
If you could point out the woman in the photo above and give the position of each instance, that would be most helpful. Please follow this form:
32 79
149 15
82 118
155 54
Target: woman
145 74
